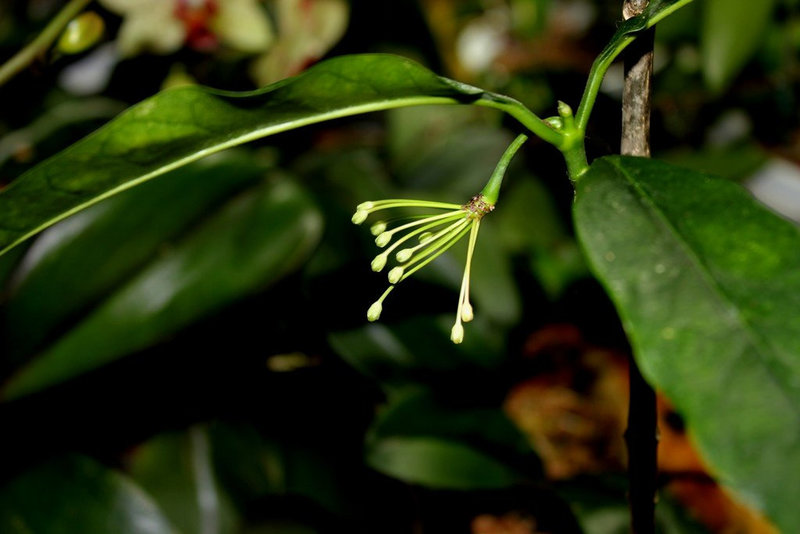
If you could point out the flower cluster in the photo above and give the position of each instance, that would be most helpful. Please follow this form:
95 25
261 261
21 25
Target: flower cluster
424 239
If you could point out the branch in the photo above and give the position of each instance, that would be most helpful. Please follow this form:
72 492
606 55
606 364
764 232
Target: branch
22 59
642 433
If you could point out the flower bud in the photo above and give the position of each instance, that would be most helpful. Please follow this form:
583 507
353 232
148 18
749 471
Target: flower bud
404 255
82 32
383 239
457 333
395 275
379 262
378 228
374 311
424 236
365 206
466 312
360 216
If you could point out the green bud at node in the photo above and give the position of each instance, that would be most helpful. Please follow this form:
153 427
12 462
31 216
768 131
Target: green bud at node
378 228
457 333
395 275
564 110
404 255
383 239
466 312
424 236
379 263
360 216
374 311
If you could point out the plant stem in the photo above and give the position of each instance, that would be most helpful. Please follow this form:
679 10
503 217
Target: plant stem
491 190
525 116
611 52
575 157
641 435
22 59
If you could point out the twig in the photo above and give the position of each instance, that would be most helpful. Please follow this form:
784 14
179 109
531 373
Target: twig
39 46
642 433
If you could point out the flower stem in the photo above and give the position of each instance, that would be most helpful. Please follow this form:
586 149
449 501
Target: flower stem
491 190
39 46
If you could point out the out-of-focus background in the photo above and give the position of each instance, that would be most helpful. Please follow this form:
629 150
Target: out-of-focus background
223 380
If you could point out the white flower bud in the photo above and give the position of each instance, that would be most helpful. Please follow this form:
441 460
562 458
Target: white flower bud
395 275
378 228
404 255
457 333
359 216
365 206
424 236
466 312
379 262
374 311
383 239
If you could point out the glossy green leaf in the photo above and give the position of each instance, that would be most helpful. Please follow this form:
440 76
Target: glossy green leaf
707 282
438 463
252 241
112 240
732 32
187 123
177 471
76 494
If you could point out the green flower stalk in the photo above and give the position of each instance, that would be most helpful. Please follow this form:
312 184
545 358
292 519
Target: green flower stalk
426 238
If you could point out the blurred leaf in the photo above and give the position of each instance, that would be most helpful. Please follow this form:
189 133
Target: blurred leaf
530 17
255 239
731 34
176 469
113 239
187 123
438 463
707 283
529 223
420 413
280 527
736 162
76 494
394 353
252 466
601 507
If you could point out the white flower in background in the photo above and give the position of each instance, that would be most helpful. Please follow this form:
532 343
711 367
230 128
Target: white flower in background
307 29
164 26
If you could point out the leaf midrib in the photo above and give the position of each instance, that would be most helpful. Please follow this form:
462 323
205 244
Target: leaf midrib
755 339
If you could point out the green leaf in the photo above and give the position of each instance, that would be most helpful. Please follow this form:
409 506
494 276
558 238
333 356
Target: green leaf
252 241
187 123
438 463
76 494
420 413
176 469
707 282
112 240
252 466
601 506
395 353
732 32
